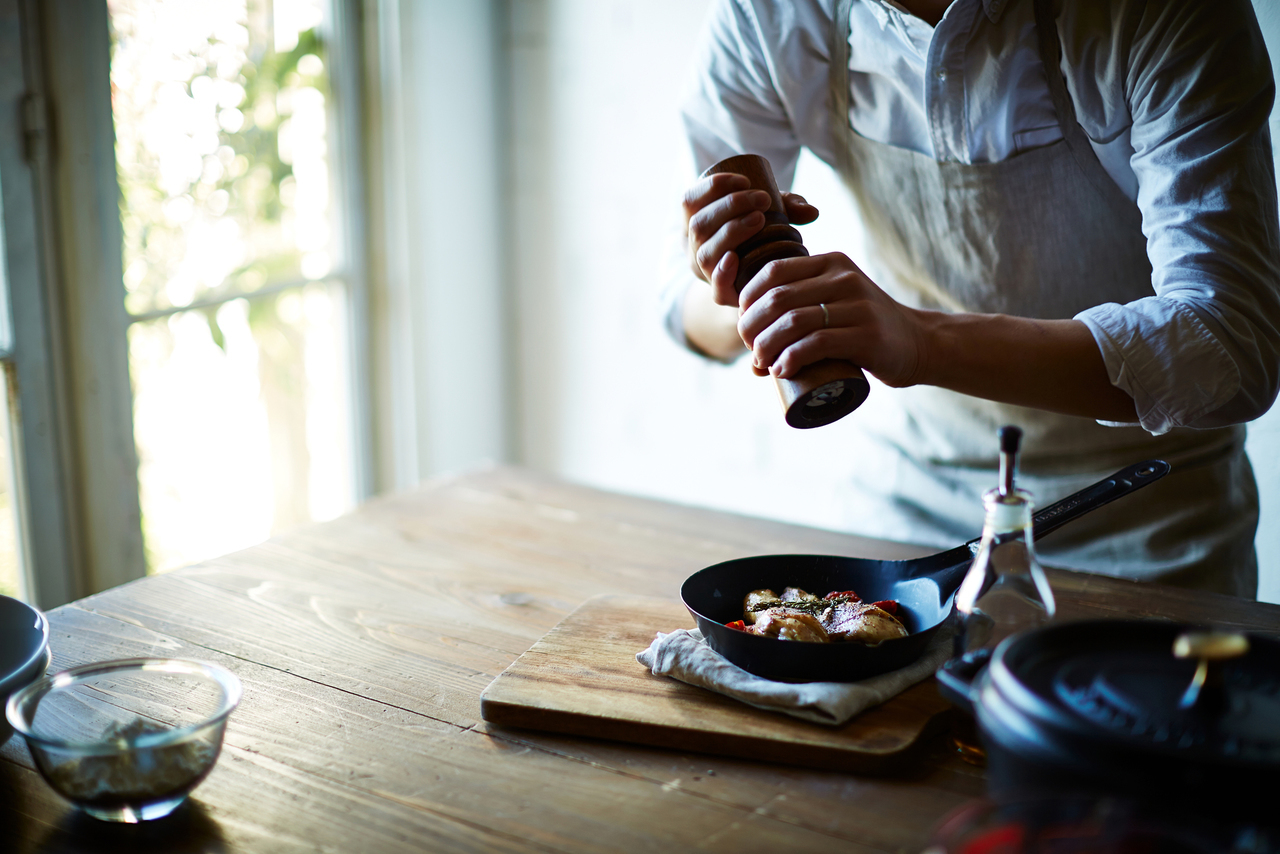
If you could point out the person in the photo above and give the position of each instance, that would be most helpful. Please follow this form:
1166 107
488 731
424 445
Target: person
1070 224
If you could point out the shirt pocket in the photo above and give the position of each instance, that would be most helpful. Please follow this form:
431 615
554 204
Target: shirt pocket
1026 140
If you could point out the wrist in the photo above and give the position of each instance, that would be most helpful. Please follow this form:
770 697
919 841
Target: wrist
710 328
935 337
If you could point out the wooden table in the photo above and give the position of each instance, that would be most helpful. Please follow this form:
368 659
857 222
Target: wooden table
364 643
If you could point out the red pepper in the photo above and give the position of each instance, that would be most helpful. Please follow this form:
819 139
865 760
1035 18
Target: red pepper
888 605
736 625
849 594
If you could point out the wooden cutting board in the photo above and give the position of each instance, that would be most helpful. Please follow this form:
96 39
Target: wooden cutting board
582 678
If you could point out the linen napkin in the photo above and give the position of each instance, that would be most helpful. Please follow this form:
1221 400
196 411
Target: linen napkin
684 655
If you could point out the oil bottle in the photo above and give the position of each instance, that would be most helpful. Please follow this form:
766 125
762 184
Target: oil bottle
1005 589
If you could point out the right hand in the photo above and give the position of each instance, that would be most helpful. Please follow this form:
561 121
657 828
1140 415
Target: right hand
721 212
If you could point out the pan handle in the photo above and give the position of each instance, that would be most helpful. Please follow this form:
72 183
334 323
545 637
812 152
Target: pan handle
1128 479
1120 484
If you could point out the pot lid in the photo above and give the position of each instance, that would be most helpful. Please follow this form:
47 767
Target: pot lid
1149 685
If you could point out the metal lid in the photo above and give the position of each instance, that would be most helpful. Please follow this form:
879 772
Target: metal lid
1119 685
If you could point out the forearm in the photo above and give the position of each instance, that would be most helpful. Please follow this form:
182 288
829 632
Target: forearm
712 328
1044 364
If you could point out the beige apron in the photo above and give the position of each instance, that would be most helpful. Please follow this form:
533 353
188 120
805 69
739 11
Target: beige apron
1043 234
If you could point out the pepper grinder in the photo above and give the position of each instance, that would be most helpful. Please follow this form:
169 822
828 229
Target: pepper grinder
824 391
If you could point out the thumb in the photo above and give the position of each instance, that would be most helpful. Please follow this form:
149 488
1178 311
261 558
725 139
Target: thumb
799 211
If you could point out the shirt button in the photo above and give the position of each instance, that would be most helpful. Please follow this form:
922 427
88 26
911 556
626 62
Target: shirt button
942 74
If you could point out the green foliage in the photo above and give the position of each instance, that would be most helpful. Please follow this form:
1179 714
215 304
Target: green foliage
167 224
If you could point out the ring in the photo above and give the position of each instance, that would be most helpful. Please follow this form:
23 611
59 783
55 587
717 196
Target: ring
826 315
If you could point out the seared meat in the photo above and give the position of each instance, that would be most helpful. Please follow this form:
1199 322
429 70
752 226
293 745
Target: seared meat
798 615
795 627
757 601
862 622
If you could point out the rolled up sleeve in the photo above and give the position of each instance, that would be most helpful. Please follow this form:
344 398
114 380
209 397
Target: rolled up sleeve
1204 351
732 105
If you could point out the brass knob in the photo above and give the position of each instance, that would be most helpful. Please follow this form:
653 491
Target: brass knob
1206 685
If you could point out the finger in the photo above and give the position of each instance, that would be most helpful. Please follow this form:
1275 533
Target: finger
778 302
723 224
789 328
704 222
799 211
818 345
784 271
722 279
702 217
706 190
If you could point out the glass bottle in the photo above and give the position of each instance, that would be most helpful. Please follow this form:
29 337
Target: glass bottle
1005 589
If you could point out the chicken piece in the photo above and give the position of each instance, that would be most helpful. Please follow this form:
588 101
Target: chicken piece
795 594
757 601
777 623
863 622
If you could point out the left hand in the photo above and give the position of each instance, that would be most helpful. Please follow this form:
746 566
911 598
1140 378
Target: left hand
781 320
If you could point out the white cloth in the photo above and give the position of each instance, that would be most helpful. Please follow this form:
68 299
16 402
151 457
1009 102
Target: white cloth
684 655
1182 129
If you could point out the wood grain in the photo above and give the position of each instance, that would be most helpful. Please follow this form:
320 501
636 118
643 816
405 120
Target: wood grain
582 678
364 645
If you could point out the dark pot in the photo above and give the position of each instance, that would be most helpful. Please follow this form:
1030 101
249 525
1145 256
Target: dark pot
1103 709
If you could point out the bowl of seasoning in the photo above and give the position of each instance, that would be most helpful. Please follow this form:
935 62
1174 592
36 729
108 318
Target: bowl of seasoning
126 740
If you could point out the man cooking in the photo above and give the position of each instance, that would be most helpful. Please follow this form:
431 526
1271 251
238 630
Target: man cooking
1072 227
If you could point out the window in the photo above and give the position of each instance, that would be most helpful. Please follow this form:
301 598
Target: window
236 346
182 273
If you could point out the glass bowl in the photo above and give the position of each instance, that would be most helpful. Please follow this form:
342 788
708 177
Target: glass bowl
126 740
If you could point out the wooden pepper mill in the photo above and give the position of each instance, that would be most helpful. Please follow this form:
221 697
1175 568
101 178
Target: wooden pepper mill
824 391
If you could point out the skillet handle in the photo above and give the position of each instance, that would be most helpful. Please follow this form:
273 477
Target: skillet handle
1118 485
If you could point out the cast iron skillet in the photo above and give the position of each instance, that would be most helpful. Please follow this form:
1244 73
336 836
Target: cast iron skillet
924 587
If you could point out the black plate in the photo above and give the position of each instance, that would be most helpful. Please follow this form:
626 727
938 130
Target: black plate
925 588
24 651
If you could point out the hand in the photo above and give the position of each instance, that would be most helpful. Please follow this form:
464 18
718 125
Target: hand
720 213
782 321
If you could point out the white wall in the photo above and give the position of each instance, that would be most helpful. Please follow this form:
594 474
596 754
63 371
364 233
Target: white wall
605 398
437 237
608 399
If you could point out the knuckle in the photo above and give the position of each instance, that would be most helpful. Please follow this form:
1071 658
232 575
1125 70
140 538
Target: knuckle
703 258
698 230
770 273
776 299
693 198
700 257
735 206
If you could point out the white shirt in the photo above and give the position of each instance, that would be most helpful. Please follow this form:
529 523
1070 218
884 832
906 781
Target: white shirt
1181 128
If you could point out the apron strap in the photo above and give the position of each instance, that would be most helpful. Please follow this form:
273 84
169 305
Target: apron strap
838 88
1077 140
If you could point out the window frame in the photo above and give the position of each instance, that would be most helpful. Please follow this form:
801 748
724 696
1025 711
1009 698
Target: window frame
75 460
50 520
